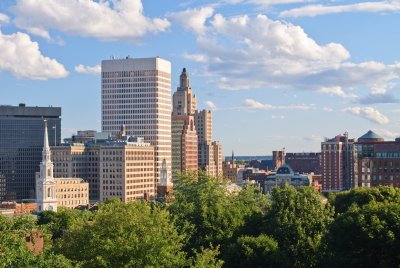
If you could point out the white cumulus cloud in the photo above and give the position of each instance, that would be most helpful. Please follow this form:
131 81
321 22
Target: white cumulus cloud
192 19
316 10
106 19
210 105
88 69
21 56
247 52
253 104
368 113
4 19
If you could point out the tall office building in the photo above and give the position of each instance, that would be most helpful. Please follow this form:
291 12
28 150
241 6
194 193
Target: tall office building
184 135
137 93
209 152
21 144
337 163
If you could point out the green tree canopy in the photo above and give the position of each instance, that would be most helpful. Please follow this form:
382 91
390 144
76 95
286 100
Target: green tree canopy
364 237
362 196
135 234
205 210
298 220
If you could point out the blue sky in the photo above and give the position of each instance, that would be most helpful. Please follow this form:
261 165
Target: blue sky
276 73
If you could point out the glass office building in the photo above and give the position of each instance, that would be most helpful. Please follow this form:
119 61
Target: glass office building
21 144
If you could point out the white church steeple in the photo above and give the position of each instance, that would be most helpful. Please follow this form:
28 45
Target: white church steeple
45 184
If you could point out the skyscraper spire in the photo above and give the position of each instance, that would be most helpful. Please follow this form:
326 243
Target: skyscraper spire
184 80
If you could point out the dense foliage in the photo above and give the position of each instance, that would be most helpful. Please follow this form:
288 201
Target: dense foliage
206 224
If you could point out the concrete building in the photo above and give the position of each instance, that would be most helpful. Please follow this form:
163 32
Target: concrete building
184 134
285 175
137 93
21 144
122 167
378 161
72 192
79 160
304 162
209 152
338 163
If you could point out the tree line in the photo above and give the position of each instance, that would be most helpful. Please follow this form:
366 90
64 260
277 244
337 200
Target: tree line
203 225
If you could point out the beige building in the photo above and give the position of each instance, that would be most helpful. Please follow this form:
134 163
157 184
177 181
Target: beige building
123 167
72 192
77 160
184 135
127 171
209 152
137 93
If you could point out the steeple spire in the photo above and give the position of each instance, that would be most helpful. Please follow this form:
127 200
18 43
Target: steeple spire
46 147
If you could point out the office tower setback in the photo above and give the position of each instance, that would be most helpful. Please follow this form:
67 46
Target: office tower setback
337 163
21 144
184 135
137 93
210 152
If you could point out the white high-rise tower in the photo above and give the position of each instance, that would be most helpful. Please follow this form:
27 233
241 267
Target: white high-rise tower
137 93
46 185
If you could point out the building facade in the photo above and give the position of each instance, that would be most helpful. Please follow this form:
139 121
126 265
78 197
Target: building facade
72 192
285 175
184 134
77 160
21 144
122 167
137 93
209 152
378 161
338 163
304 162
232 170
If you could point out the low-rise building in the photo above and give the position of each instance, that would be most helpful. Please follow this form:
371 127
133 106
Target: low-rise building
285 175
72 192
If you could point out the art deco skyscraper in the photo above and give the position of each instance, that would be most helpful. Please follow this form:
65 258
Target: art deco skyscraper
137 93
184 136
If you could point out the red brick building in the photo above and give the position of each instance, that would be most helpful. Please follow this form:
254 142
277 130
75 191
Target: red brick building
378 161
338 163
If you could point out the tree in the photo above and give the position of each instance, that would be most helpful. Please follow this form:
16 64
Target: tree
364 237
362 196
208 213
135 234
207 258
58 222
260 251
298 220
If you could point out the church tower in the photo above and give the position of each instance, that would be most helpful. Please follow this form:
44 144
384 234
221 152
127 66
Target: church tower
45 184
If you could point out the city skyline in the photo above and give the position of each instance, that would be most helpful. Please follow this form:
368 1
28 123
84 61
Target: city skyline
282 73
